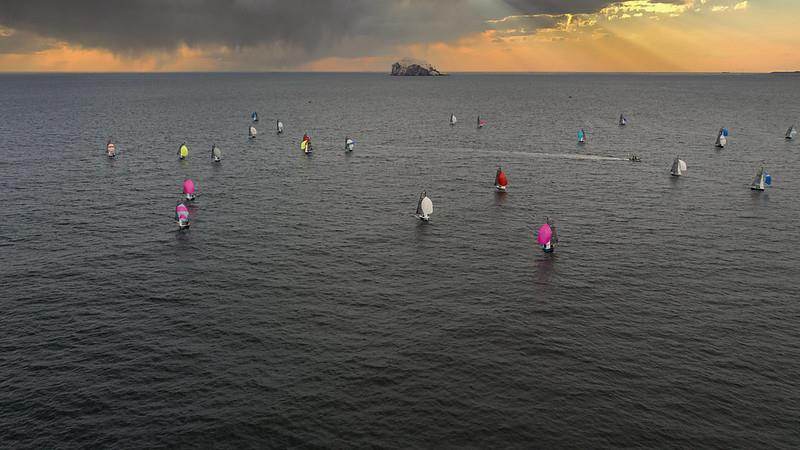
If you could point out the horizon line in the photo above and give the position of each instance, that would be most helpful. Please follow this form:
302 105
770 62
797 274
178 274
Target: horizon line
469 72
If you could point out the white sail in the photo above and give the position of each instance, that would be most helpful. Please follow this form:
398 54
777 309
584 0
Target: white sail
721 139
758 182
349 144
791 132
622 120
678 167
280 127
253 131
453 119
426 206
216 153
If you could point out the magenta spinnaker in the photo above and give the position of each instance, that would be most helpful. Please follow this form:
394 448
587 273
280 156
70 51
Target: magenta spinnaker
188 186
544 234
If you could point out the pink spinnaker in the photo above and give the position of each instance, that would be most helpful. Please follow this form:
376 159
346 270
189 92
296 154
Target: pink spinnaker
188 187
544 234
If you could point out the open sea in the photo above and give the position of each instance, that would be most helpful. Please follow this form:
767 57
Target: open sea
307 307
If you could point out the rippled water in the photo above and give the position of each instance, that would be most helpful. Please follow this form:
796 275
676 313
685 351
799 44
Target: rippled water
307 307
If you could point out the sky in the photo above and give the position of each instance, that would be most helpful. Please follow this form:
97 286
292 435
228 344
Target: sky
368 35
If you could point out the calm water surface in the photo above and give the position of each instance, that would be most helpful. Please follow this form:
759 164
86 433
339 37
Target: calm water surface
307 307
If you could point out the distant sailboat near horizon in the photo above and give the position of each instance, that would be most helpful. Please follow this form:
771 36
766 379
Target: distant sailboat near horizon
182 216
279 126
111 149
761 180
581 136
453 120
349 144
254 116
501 180
188 189
791 132
623 120
480 123
722 138
678 167
216 153
252 132
424 207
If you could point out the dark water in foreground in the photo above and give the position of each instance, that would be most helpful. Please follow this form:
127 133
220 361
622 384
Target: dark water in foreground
306 307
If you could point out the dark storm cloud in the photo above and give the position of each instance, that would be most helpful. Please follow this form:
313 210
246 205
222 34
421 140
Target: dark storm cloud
315 27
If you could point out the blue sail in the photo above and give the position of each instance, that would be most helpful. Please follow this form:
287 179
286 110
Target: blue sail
767 179
580 135
254 116
725 132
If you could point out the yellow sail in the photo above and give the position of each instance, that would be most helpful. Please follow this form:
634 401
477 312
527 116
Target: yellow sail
303 145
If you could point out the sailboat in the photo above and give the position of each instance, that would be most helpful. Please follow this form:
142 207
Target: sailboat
678 167
279 126
481 123
623 120
252 132
722 138
305 146
188 189
453 119
111 149
581 136
254 116
791 132
546 236
761 180
500 180
424 207
216 153
182 216
183 151
349 144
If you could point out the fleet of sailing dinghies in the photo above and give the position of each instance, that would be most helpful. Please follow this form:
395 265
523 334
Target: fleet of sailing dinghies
581 136
791 132
424 207
252 132
500 180
111 149
481 123
216 153
761 180
188 189
254 116
678 167
349 144
453 119
183 151
722 138
182 216
623 120
279 126
547 236
305 146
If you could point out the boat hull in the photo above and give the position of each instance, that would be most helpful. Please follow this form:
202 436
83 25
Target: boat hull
500 188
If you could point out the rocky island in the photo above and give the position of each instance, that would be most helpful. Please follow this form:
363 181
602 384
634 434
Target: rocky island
406 69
